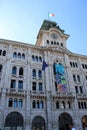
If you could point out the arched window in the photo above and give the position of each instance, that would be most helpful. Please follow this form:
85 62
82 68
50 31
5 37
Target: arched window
34 86
19 55
85 106
61 44
10 104
40 74
14 55
20 84
63 103
15 102
76 89
20 103
40 88
33 58
51 42
38 104
0 68
14 70
34 104
0 52
36 58
82 105
23 56
81 89
41 104
34 73
78 78
40 59
69 105
74 78
4 53
71 64
86 66
79 105
13 84
83 66
57 104
21 71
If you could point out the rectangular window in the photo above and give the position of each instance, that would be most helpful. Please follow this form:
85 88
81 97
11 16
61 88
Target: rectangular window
40 87
13 84
10 102
34 86
20 103
20 84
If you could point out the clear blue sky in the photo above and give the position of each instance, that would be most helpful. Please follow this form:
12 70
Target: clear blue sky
20 20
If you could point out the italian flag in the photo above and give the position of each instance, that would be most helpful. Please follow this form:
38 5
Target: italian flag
50 14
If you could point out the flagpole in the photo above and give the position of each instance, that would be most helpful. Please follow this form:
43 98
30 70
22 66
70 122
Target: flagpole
48 15
45 89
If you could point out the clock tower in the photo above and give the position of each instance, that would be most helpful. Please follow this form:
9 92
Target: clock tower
51 35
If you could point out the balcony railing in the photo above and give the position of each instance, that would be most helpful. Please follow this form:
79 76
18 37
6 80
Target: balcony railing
64 94
81 95
16 91
37 93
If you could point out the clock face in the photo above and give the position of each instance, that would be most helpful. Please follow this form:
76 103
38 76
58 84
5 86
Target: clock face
54 36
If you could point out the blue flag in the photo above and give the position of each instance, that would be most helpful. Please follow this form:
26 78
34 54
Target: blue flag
44 65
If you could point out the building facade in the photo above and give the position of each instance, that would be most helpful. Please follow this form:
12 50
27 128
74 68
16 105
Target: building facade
42 86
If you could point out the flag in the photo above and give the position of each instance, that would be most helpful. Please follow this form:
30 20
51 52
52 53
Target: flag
44 65
50 14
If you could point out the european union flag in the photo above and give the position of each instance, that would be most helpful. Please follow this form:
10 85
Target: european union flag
44 65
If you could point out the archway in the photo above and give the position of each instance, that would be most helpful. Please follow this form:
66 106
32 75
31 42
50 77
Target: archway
14 121
38 123
64 120
84 122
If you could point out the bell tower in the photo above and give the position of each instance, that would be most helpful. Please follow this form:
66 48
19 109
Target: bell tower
50 34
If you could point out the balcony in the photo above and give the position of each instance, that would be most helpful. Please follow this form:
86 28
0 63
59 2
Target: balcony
16 92
37 93
64 95
81 95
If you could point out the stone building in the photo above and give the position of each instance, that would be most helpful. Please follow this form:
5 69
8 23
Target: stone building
42 86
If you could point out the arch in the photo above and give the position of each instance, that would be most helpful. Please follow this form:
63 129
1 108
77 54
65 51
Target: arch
40 58
64 120
14 55
4 53
19 55
21 71
14 70
33 58
14 120
38 123
0 68
39 73
23 56
36 58
34 73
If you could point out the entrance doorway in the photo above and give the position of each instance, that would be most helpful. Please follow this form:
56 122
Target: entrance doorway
64 120
14 121
38 123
